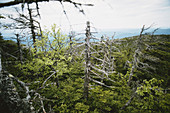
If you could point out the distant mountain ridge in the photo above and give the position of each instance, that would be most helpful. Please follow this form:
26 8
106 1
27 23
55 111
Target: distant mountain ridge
122 33
119 33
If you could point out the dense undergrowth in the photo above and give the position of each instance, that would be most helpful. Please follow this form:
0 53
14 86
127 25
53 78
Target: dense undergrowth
54 72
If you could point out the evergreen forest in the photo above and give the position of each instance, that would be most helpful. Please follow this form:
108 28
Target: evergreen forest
59 73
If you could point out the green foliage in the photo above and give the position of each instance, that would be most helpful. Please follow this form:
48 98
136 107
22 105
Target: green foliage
80 107
48 56
10 56
161 52
70 94
154 56
55 77
152 97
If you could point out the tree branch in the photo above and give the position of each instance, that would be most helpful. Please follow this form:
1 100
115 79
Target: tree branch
100 83
16 2
48 78
130 100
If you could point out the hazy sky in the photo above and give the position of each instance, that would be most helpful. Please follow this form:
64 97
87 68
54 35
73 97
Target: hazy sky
105 14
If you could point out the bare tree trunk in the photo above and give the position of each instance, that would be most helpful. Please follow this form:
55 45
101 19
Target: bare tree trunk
32 25
111 64
87 61
137 52
103 63
0 62
19 49
71 36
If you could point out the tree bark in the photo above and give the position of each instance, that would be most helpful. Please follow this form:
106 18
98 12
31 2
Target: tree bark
0 62
19 49
87 61
32 26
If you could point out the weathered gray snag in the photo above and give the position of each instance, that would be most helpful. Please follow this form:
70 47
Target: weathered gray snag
137 54
20 54
0 61
32 25
87 61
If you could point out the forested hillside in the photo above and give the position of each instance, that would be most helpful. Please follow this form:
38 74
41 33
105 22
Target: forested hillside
104 76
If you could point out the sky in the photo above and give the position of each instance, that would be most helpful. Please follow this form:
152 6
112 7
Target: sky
104 15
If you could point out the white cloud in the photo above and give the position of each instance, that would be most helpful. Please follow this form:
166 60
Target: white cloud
132 13
106 14
3 1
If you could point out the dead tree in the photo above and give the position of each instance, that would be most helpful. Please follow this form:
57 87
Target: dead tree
87 61
137 53
71 36
0 61
27 22
103 68
136 62
31 24
20 54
